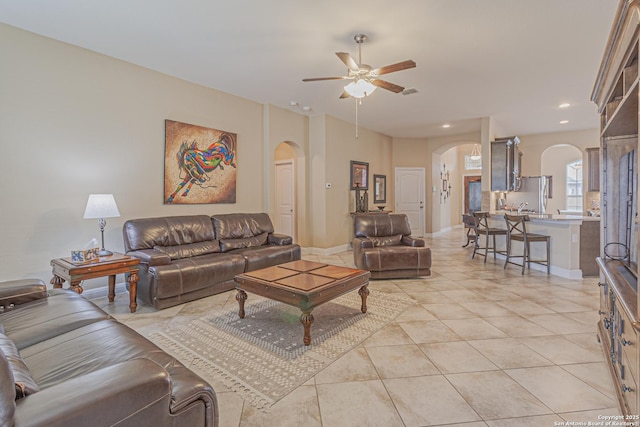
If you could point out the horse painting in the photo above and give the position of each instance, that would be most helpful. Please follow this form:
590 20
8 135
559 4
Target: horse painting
204 167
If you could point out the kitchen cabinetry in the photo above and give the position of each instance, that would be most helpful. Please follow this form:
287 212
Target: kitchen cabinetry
593 162
505 164
616 95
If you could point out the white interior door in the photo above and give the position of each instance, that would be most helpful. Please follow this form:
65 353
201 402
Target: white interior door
285 198
409 196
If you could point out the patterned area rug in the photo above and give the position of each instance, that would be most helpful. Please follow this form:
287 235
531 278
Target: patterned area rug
262 356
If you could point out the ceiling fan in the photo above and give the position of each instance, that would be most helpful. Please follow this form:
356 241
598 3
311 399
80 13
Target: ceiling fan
364 79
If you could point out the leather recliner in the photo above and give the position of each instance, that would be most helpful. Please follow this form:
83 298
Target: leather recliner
384 246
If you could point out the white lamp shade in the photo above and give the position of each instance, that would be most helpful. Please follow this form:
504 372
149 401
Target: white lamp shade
101 206
360 88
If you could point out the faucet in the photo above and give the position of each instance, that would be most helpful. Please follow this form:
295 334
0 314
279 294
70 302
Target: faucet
520 206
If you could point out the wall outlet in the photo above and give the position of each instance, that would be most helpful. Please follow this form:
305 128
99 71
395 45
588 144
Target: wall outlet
327 185
574 238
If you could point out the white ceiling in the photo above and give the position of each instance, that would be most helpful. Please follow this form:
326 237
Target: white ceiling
515 60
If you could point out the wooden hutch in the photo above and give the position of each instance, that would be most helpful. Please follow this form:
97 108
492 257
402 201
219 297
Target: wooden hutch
616 94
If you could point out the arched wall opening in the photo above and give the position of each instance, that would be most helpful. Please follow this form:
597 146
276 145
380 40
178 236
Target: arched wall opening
553 162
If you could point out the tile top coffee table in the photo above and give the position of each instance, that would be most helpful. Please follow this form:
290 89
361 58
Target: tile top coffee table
303 284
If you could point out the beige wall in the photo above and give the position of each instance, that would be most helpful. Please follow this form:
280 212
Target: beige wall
554 162
74 122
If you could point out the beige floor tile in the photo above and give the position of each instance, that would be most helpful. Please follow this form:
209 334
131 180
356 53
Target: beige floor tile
474 329
524 307
588 341
415 312
392 334
494 395
593 416
429 297
460 295
561 324
516 326
429 331
458 356
568 394
537 421
427 401
560 350
298 408
507 353
353 366
594 374
400 361
230 406
486 309
364 403
449 311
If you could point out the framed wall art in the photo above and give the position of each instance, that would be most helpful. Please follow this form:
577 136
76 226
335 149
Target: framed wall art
359 175
200 164
380 189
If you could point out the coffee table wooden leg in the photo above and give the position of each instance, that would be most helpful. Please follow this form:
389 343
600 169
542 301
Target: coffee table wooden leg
364 292
306 319
241 297
57 282
112 288
76 287
133 291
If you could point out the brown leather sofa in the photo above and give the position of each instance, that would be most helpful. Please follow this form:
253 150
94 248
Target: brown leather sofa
384 246
183 258
65 362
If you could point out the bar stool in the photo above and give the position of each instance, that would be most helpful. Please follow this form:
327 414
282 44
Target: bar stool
517 230
489 234
471 224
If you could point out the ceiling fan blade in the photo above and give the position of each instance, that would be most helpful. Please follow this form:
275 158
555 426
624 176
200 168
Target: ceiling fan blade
387 85
344 95
315 79
348 61
394 67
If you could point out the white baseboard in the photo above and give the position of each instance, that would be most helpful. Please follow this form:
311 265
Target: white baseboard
555 270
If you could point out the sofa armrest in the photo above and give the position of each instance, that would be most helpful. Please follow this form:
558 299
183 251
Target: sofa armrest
411 241
151 257
362 243
21 291
279 239
137 389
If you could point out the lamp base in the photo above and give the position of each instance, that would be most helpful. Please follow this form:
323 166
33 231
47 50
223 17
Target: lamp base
104 252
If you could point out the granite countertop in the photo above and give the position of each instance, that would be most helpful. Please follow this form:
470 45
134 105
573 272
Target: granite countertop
548 216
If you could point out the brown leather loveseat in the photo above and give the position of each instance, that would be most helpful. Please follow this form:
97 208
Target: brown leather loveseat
65 362
384 246
183 258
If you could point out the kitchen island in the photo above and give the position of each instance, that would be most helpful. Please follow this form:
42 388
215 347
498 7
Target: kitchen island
575 242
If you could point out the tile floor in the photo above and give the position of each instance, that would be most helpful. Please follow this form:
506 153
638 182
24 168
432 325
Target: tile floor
484 347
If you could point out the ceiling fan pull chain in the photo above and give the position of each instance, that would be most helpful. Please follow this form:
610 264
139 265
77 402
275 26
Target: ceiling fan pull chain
357 118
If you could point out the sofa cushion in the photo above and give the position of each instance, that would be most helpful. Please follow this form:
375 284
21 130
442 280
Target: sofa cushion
241 225
146 233
268 255
247 242
386 240
7 393
190 250
24 384
39 320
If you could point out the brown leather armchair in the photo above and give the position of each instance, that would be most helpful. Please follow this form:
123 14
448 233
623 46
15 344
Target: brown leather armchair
384 246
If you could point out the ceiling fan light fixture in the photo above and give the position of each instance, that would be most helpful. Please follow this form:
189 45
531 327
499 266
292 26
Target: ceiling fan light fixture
360 88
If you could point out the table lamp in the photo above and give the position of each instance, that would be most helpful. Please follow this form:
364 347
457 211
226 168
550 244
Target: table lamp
101 206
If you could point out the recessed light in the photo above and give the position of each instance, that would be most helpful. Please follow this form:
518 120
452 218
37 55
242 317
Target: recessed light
306 109
446 125
293 103
564 105
564 122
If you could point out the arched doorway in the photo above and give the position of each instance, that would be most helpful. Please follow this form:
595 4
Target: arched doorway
564 163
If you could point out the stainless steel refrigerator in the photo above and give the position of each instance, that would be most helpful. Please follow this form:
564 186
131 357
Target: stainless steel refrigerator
534 191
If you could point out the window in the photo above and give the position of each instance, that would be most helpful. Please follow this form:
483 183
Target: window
574 186
472 162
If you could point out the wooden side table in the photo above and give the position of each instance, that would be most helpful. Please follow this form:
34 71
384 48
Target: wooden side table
74 273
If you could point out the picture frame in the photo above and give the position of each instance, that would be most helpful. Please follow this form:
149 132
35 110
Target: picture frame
379 189
359 175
